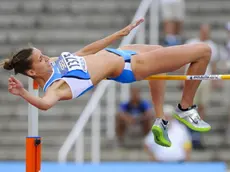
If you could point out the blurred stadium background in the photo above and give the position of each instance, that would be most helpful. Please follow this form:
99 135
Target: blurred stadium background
67 25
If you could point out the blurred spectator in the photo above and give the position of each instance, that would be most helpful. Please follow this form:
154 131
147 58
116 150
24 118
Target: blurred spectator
225 51
228 39
173 14
203 93
181 143
136 111
227 91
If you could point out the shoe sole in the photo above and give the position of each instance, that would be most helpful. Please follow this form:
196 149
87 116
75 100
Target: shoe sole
190 125
159 137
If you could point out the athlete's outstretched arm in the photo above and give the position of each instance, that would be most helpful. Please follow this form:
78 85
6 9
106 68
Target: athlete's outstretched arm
42 103
50 99
103 43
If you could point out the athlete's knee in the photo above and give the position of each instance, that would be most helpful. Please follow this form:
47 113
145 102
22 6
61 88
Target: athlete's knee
205 49
208 51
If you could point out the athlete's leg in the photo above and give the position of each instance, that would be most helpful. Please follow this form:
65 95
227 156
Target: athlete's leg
171 58
157 89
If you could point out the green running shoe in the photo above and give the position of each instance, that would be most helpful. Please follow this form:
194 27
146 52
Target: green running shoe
191 119
160 132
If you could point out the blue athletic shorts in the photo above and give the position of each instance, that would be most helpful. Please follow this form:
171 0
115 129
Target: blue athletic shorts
127 75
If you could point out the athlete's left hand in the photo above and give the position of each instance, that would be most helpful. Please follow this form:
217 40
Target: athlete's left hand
125 31
15 86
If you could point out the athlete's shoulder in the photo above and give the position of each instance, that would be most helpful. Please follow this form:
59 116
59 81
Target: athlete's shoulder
65 54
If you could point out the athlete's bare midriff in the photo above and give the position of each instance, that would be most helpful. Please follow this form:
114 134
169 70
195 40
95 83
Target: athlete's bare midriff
103 65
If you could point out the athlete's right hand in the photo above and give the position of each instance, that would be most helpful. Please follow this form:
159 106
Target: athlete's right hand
125 31
15 87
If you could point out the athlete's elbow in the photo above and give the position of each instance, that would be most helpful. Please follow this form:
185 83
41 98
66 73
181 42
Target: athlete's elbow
45 107
48 102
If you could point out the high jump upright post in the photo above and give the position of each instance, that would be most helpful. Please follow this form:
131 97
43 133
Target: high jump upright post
33 141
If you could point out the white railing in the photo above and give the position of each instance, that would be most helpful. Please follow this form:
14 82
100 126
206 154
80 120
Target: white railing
76 136
79 126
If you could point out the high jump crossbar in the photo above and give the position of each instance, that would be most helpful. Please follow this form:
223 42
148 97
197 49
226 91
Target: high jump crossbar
188 77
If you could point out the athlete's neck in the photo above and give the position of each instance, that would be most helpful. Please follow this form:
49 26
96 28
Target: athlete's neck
42 80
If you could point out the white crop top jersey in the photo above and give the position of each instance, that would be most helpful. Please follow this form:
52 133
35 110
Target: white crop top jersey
73 70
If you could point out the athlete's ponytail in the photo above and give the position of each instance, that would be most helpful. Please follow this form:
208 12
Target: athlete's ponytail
8 64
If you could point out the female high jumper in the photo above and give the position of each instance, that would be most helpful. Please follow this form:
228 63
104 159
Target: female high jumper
72 74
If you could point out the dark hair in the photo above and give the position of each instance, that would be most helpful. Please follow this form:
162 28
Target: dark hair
20 62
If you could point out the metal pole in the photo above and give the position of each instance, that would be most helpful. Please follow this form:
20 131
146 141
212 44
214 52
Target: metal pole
79 149
110 111
124 92
154 22
96 135
140 38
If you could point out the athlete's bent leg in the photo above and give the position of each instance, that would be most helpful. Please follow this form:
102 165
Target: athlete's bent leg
157 89
170 59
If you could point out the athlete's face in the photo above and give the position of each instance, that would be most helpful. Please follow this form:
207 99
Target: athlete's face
40 64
